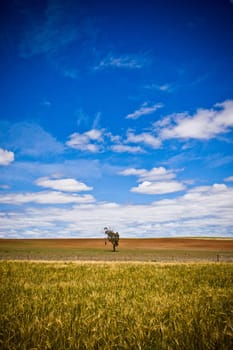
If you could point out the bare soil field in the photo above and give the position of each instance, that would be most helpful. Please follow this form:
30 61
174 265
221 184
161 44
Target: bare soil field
147 249
219 244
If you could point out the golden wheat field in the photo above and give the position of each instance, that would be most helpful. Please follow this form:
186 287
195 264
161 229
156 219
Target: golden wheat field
116 306
151 294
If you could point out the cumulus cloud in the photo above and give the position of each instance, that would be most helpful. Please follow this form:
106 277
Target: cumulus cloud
203 125
44 197
96 140
67 185
88 141
145 138
155 174
198 212
144 110
148 187
154 181
6 157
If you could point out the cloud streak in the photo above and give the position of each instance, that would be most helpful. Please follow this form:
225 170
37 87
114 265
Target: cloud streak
229 179
119 148
121 62
144 110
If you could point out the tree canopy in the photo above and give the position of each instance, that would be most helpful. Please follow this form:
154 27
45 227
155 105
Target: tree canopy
112 237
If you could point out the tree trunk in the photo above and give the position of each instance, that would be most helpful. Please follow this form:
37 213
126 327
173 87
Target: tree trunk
114 247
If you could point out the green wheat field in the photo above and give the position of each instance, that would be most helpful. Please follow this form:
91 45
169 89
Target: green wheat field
116 305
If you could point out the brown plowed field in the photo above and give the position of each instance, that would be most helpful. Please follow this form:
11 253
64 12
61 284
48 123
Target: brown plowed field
207 244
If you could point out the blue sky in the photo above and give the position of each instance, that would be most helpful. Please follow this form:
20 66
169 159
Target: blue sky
116 114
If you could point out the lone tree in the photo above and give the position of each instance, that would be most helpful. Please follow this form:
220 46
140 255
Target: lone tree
113 237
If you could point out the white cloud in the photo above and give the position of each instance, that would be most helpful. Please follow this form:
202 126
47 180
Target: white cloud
94 134
155 174
154 181
44 197
123 61
148 187
144 110
6 157
127 149
229 178
204 124
113 138
197 213
67 185
145 137
86 141
133 171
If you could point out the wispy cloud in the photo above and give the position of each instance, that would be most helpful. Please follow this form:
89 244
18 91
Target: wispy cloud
46 103
30 139
52 32
218 160
6 157
47 32
145 109
229 178
122 62
120 148
66 185
203 125
4 187
161 87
